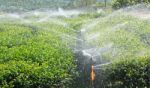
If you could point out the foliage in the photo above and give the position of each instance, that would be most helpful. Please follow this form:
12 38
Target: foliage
23 74
83 3
124 41
123 3
128 73
123 36
33 57
25 5
38 54
35 53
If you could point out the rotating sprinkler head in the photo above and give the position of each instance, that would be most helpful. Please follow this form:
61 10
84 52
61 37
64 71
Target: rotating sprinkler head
92 74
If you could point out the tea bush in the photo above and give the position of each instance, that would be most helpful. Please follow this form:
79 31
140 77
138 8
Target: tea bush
129 73
31 58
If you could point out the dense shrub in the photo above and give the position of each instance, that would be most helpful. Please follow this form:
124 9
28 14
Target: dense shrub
21 74
129 73
33 58
123 3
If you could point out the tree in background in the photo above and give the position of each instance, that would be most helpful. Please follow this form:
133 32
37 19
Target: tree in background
82 3
123 3
105 2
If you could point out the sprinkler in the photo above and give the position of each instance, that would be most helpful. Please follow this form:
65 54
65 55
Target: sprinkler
92 73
